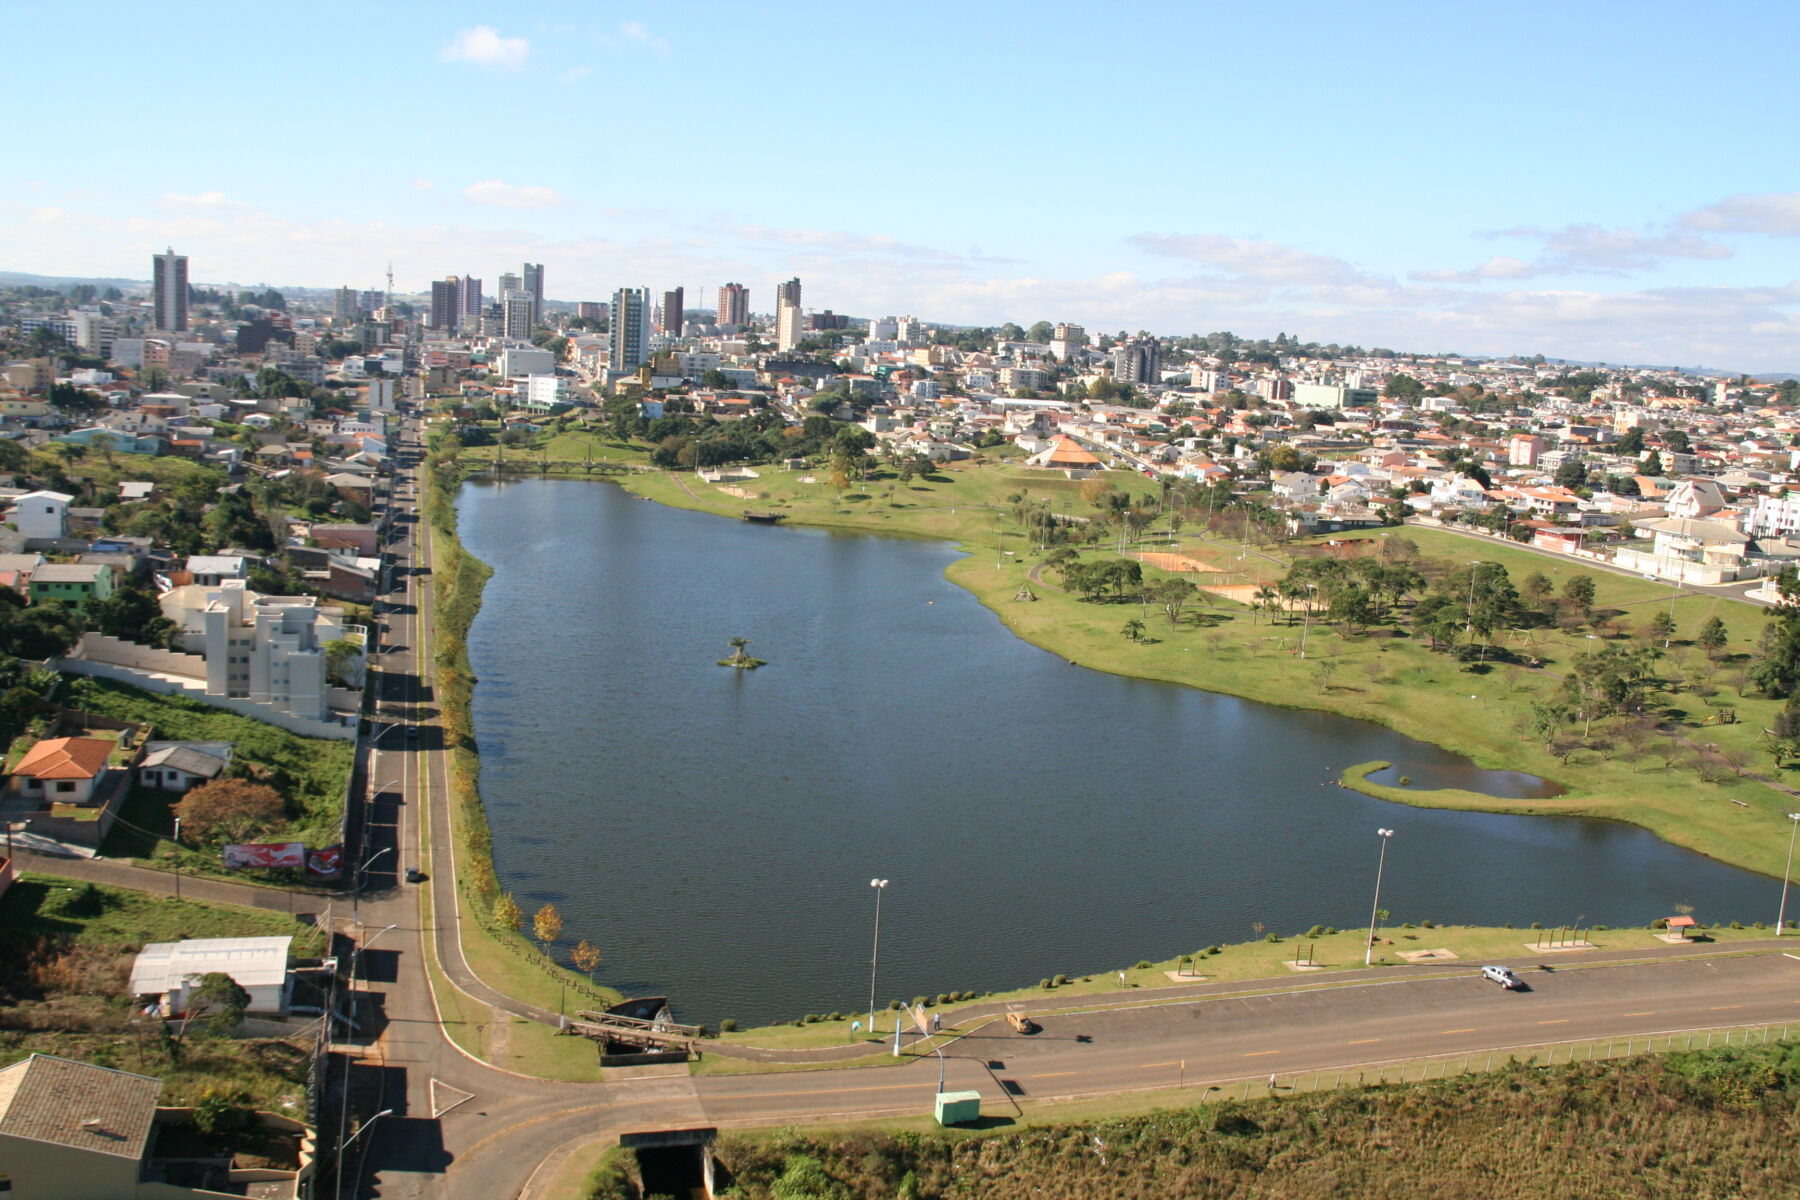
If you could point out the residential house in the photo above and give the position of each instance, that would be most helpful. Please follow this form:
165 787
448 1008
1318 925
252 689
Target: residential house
73 583
178 766
165 972
41 515
74 1131
63 770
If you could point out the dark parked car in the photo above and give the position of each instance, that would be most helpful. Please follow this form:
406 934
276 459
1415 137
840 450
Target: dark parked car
414 875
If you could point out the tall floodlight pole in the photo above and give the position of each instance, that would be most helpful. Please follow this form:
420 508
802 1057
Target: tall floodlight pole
1380 865
880 886
1787 873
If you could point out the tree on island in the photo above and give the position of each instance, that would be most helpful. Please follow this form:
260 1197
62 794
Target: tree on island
739 657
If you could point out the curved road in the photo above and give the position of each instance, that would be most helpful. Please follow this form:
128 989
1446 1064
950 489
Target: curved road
462 1128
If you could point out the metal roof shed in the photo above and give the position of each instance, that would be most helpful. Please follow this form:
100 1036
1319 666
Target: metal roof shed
259 965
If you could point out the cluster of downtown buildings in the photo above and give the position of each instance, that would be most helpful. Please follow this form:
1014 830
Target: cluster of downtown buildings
1671 474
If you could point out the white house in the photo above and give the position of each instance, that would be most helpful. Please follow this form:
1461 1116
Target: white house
178 766
41 515
259 965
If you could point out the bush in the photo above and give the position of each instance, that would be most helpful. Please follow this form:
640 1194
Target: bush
1271 937
1737 924
728 1025
223 1112
1537 925
1044 983
1060 980
1315 931
1213 950
1144 964
1427 925
1409 925
1601 928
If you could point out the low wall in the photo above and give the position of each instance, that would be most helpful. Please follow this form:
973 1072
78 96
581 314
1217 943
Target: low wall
152 682
97 647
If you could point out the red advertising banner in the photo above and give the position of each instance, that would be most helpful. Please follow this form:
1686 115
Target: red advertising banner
325 862
268 854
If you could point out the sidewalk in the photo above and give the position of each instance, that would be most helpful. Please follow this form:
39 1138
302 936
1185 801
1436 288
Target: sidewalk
167 883
1051 1002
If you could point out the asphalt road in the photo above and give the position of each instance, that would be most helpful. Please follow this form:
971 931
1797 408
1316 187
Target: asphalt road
460 1128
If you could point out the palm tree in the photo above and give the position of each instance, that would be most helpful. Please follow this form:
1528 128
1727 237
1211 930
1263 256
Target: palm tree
737 649
1265 598
1134 629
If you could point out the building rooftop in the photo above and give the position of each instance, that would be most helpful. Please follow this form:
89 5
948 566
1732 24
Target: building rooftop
252 962
76 1104
66 758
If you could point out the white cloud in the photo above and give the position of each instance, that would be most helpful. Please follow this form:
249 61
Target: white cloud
508 195
197 200
637 33
1776 213
422 184
836 241
1498 267
49 214
1249 258
483 46
1583 250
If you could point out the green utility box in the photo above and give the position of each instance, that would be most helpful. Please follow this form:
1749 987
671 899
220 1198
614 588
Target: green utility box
958 1108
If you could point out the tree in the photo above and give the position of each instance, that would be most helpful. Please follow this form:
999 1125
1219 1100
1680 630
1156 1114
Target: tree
507 912
230 810
586 957
1173 595
1403 387
547 923
1134 629
1712 637
1660 628
1579 589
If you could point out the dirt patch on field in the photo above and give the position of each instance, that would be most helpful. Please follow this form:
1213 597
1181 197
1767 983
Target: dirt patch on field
740 493
1184 563
1245 593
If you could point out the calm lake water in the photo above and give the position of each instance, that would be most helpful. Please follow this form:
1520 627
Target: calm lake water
714 831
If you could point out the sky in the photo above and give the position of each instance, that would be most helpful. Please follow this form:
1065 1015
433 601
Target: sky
1606 181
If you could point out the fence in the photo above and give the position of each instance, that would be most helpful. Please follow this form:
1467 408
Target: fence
1545 1054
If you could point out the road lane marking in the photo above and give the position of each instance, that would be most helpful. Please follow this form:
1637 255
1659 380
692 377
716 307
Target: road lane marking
1646 1013
1363 1042
1170 1063
1260 1053
1723 1007
887 1087
1469 1030
1558 1021
1050 1075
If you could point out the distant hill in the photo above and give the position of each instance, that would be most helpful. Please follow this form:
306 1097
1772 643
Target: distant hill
21 278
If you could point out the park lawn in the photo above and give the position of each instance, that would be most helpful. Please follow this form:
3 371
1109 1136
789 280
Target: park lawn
1227 647
533 1048
310 773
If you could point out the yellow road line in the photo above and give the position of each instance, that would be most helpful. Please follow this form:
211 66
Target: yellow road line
1170 1063
1723 1007
1363 1042
1470 1030
1558 1021
1645 1013
1260 1053
1050 1075
888 1087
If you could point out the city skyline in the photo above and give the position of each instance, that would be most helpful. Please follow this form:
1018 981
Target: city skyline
1590 188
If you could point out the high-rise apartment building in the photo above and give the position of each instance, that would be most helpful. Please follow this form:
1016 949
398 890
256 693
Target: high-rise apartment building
789 324
346 306
468 299
170 284
534 284
1137 361
669 316
515 315
734 306
628 339
590 310
509 282
446 303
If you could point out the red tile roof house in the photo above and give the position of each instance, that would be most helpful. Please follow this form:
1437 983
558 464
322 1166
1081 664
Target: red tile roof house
72 787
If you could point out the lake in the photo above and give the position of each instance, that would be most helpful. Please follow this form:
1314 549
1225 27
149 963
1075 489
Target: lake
714 831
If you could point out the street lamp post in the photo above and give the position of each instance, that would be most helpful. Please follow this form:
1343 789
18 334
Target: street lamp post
1787 873
1469 623
1306 625
880 886
356 884
1381 864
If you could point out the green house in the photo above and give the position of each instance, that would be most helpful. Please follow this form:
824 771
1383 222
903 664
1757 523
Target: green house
72 583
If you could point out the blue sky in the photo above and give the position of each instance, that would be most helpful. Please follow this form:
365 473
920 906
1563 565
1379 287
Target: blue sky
1603 181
